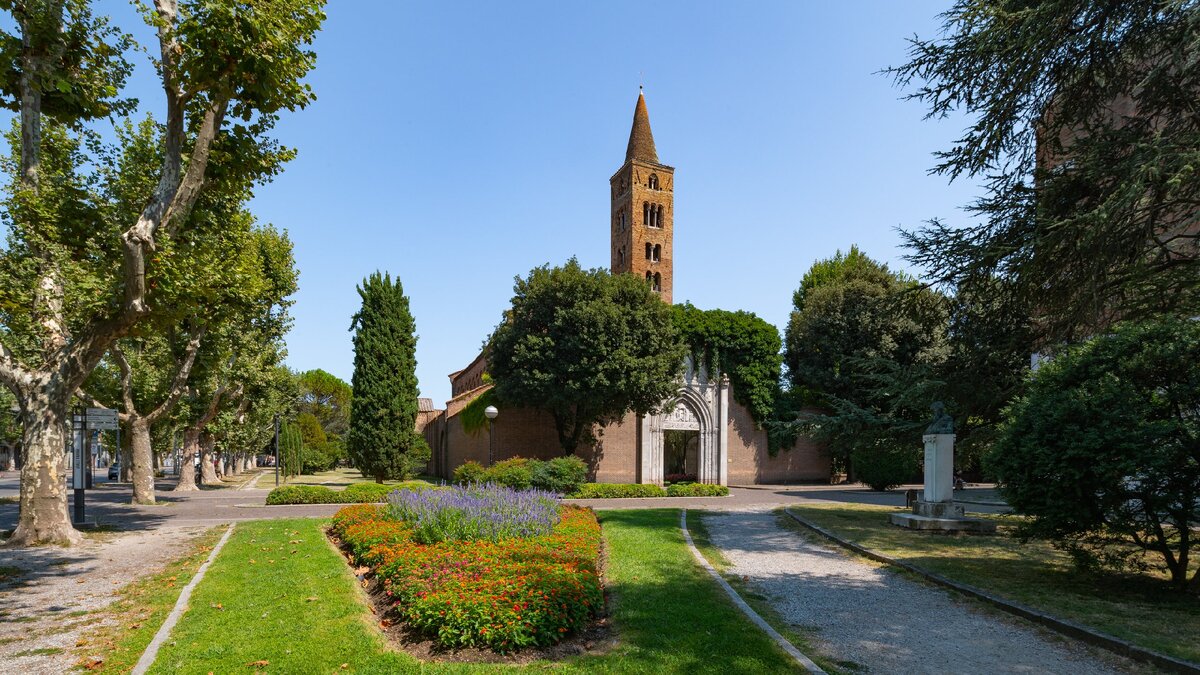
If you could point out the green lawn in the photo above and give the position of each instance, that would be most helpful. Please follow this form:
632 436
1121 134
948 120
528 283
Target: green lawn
335 479
1142 610
296 608
140 609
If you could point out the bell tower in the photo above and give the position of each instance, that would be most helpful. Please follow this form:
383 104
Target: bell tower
643 206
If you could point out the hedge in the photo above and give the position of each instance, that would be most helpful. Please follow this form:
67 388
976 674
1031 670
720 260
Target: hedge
357 493
563 475
697 490
617 491
627 490
502 595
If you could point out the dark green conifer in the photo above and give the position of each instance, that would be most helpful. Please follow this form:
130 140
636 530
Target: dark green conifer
382 441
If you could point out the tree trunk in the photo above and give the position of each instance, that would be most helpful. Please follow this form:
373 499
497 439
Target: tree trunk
208 472
187 460
44 517
142 461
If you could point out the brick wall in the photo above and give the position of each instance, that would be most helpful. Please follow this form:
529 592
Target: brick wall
750 463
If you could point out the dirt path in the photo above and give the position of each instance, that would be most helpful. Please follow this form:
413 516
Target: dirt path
54 598
881 621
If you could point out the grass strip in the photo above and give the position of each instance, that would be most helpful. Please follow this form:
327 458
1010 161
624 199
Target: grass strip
124 628
802 639
1141 609
279 598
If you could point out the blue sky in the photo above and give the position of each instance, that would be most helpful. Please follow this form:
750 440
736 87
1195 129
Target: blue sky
457 145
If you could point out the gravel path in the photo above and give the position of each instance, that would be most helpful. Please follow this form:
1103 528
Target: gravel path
51 603
879 620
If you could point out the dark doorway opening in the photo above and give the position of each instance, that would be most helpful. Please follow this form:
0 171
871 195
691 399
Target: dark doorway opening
681 455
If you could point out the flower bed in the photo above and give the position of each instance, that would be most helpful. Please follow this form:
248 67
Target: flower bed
486 589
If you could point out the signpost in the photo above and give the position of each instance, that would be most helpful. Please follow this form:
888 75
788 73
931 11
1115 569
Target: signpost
87 421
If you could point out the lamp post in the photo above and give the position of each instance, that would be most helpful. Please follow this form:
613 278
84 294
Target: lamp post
276 449
491 414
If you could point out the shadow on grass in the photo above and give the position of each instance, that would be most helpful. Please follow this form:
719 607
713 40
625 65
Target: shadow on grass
301 612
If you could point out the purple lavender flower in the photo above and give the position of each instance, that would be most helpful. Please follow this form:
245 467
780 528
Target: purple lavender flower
476 511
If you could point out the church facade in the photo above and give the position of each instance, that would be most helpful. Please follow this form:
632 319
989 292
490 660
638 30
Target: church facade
703 434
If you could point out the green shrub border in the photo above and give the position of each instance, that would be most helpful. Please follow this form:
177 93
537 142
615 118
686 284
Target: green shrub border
358 493
640 490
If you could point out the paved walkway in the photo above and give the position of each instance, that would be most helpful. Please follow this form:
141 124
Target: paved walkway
109 503
880 620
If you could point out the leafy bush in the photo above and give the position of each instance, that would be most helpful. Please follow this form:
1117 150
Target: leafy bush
464 513
563 475
617 491
697 490
469 472
354 494
886 464
502 595
302 494
516 473
361 493
1102 450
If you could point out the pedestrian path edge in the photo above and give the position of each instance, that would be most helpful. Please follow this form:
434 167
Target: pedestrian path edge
164 631
788 647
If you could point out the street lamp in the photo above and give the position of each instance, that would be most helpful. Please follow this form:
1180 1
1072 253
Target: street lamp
491 414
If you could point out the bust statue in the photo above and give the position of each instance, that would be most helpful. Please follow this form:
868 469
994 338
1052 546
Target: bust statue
942 423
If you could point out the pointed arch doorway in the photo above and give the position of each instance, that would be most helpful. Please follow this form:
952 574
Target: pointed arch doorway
689 436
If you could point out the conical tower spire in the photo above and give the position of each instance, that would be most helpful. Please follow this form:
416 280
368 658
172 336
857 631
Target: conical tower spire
641 141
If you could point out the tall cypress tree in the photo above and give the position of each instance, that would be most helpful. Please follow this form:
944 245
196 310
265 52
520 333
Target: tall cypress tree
382 440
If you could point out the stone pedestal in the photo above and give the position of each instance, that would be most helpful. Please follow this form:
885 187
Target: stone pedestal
936 510
939 468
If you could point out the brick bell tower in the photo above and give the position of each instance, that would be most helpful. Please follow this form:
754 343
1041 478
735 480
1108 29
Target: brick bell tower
643 206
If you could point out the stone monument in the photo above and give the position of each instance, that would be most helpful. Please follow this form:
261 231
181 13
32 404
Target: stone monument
935 509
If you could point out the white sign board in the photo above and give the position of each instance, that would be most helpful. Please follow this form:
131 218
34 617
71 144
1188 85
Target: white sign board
101 418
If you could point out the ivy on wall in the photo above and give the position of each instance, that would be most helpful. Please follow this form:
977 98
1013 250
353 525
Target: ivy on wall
738 344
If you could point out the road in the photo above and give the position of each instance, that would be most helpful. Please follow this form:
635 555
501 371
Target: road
108 504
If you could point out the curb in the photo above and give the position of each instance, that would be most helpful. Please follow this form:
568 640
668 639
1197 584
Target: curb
164 631
1063 626
783 643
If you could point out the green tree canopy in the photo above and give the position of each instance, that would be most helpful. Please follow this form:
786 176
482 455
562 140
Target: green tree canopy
1103 452
327 398
382 441
586 346
863 345
738 344
1085 132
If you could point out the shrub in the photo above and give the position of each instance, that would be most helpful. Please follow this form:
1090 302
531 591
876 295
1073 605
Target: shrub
617 491
563 475
464 513
516 473
502 595
1102 450
303 494
697 490
359 493
885 465
469 472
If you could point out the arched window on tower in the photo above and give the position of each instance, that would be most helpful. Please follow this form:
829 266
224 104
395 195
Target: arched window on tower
657 282
652 183
650 277
649 250
656 254
646 214
621 223
658 217
621 257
